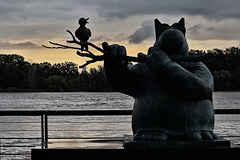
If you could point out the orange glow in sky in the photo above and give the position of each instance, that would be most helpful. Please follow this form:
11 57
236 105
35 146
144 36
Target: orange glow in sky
61 55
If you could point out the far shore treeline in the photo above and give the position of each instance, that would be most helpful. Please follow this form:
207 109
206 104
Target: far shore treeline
16 74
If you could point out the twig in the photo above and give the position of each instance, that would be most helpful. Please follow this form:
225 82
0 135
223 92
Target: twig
97 58
89 55
73 39
60 46
96 47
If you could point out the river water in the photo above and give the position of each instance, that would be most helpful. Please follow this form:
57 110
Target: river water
82 127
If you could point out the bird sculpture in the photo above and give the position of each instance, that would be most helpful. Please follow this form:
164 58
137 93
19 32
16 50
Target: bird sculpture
83 33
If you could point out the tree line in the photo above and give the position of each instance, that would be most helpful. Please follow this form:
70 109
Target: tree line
224 65
16 74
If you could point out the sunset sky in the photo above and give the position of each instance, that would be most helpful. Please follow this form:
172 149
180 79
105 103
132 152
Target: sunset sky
27 24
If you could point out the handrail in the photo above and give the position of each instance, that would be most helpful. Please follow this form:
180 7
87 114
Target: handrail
45 113
227 111
64 112
88 112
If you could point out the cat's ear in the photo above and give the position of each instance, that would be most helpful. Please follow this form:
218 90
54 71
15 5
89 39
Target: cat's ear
181 25
159 28
181 22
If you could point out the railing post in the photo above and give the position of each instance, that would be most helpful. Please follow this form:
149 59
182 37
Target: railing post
42 131
46 131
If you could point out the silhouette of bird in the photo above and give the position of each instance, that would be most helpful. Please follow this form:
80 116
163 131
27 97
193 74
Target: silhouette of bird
83 33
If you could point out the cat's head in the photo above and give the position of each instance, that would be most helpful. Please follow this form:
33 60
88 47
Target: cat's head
161 27
171 39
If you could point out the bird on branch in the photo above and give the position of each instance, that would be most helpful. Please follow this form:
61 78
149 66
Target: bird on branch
83 33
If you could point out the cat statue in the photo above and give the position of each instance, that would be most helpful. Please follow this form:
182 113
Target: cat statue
173 100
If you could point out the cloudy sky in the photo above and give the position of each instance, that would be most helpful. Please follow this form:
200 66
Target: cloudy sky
26 24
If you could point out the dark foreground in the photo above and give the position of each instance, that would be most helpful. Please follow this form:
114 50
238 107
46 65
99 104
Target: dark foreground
72 154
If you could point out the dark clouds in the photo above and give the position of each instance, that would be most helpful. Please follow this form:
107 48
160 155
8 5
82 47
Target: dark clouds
146 31
210 9
36 9
17 46
62 9
46 19
31 31
224 30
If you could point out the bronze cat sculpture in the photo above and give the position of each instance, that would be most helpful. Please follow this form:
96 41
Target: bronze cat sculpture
172 100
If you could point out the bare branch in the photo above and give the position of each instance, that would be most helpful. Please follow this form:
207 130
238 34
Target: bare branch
60 46
73 39
89 55
64 46
96 47
95 58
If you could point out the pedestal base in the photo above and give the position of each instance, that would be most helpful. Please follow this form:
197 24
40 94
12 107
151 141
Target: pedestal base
129 143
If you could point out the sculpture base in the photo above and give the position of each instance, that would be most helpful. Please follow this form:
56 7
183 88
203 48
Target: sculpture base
129 143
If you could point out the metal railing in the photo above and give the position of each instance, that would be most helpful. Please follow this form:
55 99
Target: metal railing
44 115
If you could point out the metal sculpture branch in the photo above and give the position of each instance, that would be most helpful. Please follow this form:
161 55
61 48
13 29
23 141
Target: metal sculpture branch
86 53
94 58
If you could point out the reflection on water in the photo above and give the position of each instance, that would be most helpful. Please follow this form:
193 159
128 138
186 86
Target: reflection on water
77 126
